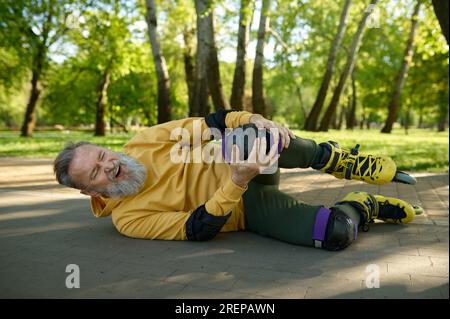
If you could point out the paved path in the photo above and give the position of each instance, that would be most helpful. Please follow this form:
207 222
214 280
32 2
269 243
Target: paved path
44 228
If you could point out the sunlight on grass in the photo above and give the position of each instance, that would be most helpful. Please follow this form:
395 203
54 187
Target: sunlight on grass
420 150
47 144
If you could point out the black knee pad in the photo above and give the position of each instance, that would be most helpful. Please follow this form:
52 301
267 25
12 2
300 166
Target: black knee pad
341 231
244 137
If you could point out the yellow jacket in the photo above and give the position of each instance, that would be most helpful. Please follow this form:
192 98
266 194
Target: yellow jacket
173 191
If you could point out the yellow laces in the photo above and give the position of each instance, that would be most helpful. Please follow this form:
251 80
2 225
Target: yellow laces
371 162
355 158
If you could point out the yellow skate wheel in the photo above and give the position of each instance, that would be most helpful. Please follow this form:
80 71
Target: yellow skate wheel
418 210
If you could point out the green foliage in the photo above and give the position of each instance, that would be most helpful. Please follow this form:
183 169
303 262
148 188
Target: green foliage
103 40
307 33
87 37
30 31
70 98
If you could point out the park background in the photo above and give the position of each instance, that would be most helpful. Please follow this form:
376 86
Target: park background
368 72
344 70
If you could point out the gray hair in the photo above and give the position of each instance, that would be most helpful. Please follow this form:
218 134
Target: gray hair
62 163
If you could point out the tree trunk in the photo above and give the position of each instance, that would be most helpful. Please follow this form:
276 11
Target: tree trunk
189 70
394 105
148 117
420 123
298 90
213 70
443 120
443 111
441 11
352 110
39 62
29 120
363 117
258 102
311 121
340 120
334 121
102 97
407 120
348 68
200 99
164 104
238 88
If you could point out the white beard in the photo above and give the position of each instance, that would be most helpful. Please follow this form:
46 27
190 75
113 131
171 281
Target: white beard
135 177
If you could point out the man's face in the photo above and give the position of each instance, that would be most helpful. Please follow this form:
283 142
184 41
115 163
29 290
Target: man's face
103 172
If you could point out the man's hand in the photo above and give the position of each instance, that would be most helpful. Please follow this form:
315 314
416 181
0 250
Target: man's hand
278 130
243 171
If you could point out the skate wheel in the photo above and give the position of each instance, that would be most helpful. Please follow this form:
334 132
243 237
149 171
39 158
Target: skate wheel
404 178
418 210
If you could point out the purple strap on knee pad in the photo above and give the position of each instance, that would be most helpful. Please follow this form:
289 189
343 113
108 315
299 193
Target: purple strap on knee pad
320 226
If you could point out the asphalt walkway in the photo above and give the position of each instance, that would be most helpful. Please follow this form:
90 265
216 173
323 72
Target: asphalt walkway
45 227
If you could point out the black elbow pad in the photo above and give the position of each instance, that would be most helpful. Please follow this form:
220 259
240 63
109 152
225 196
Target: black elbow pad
201 225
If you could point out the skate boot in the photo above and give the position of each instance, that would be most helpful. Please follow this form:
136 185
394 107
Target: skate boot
387 209
349 164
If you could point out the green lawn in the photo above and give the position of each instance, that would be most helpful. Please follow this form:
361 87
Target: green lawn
420 150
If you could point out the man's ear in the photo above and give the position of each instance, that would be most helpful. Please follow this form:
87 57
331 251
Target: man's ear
91 193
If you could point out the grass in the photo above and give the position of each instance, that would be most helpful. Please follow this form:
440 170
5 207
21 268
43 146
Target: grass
49 143
420 150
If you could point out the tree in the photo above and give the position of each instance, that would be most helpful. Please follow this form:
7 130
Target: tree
103 66
72 93
348 68
238 88
443 110
103 45
213 70
102 98
164 104
200 99
177 31
259 105
394 105
441 11
33 27
351 117
311 120
189 68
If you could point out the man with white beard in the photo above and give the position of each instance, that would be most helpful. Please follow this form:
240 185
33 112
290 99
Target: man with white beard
152 196
123 175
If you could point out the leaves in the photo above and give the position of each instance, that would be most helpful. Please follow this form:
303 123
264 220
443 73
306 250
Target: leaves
83 37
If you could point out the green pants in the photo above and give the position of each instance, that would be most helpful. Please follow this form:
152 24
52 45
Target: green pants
270 212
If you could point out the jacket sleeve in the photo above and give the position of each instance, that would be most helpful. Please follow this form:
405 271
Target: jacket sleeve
202 223
152 225
191 127
223 119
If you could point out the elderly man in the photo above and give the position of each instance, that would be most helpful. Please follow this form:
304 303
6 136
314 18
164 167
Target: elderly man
153 192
